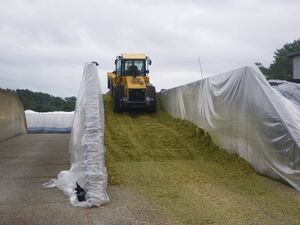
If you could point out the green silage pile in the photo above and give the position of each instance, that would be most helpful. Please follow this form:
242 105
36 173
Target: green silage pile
183 173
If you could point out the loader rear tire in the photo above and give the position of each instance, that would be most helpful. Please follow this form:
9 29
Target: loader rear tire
112 91
118 95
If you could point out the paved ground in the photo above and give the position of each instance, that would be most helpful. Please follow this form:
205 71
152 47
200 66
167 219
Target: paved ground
29 160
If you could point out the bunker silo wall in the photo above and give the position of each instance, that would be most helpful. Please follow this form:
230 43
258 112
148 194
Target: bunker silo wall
12 117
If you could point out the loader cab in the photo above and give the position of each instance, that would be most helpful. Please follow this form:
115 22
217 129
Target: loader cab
132 65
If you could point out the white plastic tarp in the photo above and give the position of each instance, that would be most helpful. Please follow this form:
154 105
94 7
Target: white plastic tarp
244 115
86 145
49 121
288 89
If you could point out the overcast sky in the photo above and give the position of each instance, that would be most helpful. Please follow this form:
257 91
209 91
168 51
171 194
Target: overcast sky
44 44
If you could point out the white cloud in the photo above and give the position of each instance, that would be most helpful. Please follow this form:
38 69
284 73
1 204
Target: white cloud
44 44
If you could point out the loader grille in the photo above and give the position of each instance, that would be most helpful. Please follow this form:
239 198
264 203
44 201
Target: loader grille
136 95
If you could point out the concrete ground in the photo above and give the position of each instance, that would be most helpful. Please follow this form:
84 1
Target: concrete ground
27 161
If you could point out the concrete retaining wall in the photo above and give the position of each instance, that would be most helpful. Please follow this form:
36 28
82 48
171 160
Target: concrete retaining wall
12 117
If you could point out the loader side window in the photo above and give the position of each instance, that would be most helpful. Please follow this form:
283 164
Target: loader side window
134 66
118 68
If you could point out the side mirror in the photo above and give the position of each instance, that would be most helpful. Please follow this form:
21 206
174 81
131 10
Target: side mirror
116 61
150 62
147 71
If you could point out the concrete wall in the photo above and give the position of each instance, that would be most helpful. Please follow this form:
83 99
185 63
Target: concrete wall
296 67
12 117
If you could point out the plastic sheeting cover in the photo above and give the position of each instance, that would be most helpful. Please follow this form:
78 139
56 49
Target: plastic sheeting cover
49 121
288 89
244 115
86 145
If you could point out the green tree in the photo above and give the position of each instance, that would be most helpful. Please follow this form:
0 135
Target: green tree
263 69
43 102
282 65
69 103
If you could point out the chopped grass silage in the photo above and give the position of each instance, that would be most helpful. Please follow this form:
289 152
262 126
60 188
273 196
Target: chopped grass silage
179 169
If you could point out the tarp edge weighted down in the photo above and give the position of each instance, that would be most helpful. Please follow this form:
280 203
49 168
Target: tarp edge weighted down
86 145
244 115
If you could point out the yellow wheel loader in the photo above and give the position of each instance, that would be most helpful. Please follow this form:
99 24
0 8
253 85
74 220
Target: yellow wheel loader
129 84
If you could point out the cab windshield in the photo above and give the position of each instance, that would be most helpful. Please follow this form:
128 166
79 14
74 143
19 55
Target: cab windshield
134 67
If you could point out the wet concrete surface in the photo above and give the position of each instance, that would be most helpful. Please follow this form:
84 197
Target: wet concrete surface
27 161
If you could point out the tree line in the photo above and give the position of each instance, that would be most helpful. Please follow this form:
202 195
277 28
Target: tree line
282 66
43 102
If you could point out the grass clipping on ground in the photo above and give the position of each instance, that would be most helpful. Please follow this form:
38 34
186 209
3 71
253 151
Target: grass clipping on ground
177 167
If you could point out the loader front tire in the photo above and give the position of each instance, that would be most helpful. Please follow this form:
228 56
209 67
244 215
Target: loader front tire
118 95
152 107
152 94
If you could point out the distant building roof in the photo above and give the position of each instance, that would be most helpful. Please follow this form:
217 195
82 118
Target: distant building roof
294 54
